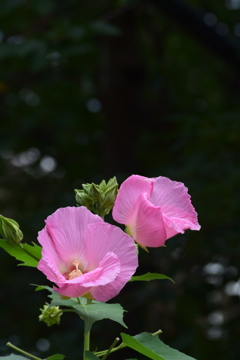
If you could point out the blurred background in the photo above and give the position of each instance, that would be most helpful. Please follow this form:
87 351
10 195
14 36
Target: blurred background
92 90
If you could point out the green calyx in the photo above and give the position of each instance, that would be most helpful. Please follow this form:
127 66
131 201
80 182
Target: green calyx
9 229
50 315
98 198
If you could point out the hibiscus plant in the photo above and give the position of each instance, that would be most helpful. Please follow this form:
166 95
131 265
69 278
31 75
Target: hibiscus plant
90 260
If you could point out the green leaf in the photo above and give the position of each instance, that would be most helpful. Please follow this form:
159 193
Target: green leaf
96 311
93 312
58 301
30 256
35 251
90 313
150 276
91 356
56 357
14 357
152 347
42 287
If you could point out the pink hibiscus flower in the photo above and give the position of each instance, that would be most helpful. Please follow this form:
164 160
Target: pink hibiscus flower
84 255
154 209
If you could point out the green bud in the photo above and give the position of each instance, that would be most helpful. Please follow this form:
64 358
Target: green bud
103 186
50 315
87 188
83 199
110 196
9 229
95 192
98 198
112 182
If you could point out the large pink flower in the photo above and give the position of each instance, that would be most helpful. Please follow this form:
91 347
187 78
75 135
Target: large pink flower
82 254
154 209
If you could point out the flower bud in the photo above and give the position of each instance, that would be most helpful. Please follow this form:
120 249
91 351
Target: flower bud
9 229
98 198
50 315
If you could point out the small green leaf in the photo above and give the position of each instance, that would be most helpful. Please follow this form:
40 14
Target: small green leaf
91 356
30 256
56 357
42 287
150 276
152 347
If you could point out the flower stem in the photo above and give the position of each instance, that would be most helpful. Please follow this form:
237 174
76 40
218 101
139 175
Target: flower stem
104 352
22 351
86 344
157 332
111 347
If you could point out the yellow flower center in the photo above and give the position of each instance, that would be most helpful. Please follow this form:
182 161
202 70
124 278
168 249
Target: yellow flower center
76 272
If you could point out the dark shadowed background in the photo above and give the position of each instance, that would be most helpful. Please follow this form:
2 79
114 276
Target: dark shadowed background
93 89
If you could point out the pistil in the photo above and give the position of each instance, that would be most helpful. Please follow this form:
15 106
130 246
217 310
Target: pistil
76 272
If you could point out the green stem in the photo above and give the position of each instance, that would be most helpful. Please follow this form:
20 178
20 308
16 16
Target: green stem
86 344
22 351
157 332
27 252
111 347
105 353
102 353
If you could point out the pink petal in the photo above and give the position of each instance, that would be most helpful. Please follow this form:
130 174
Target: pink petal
49 253
50 270
107 271
175 203
147 226
107 292
176 225
72 290
62 237
106 255
104 238
127 197
110 268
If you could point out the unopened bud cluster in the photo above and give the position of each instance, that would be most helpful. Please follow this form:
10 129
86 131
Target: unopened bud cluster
50 315
98 198
9 229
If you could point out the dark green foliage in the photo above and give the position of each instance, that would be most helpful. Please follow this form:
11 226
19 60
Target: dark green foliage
91 92
153 348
